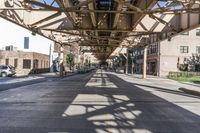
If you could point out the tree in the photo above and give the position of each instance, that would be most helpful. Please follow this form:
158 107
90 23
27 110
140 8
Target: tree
194 62
70 60
191 63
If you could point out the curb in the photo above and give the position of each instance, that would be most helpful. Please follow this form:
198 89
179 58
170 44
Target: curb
189 91
21 76
68 75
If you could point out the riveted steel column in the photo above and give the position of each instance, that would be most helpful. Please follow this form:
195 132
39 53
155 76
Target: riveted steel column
145 63
127 61
61 61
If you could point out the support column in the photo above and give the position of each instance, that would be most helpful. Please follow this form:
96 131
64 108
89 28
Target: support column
132 65
61 61
50 59
127 61
145 63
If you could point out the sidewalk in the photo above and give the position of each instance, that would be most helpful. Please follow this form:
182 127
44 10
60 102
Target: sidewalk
46 75
32 77
187 87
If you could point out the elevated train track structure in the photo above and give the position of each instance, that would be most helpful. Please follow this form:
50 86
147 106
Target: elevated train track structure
103 25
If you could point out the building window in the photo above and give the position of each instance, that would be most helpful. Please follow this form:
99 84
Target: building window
185 33
15 62
184 49
35 64
9 48
198 49
26 42
26 64
197 32
7 61
153 48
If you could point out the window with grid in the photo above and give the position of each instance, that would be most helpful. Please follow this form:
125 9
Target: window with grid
7 61
197 32
184 49
15 62
26 64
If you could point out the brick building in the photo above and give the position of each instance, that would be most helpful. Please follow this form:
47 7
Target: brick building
25 62
169 55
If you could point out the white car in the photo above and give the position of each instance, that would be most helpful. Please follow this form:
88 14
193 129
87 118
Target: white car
7 70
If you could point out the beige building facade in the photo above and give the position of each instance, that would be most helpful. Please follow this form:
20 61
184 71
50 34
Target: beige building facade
171 55
25 62
179 51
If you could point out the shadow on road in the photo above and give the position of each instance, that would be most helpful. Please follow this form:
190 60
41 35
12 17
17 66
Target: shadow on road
105 103
126 109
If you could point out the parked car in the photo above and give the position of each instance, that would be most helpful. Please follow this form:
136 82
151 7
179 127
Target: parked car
7 70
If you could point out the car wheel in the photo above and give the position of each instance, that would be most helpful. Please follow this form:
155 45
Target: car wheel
4 74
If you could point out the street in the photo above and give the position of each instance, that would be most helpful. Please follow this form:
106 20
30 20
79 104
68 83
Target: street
99 102
13 82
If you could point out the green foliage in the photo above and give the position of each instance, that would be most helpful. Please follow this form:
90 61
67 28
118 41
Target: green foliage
187 79
70 60
183 67
183 74
192 62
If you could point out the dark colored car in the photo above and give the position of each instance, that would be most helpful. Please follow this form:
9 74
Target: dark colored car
7 70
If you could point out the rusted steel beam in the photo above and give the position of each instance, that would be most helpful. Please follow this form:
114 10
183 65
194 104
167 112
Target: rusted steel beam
93 29
46 19
98 45
176 11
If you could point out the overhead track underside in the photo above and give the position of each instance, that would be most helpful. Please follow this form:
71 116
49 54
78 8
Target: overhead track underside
103 25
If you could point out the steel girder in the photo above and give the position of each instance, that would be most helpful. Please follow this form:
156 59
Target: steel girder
103 25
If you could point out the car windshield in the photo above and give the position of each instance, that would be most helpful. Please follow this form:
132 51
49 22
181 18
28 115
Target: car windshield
3 67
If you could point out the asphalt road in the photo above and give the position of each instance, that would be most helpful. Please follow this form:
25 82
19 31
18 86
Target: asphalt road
10 83
101 102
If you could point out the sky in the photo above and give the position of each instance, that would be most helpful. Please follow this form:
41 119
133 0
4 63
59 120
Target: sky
12 34
49 2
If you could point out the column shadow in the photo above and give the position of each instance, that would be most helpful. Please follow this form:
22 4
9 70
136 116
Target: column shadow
108 104
126 109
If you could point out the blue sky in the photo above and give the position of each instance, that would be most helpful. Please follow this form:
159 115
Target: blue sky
164 3
48 2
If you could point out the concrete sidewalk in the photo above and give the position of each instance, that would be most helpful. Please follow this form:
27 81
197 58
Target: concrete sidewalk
38 75
187 87
32 77
46 75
